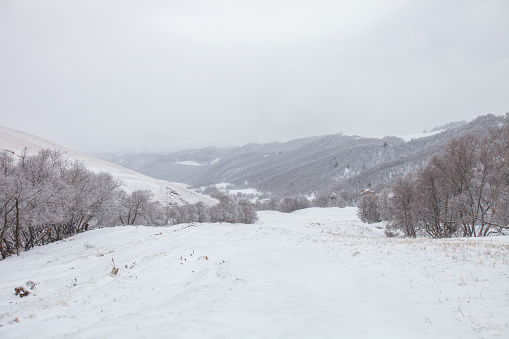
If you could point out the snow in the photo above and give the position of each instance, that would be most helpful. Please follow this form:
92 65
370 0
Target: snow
164 191
223 187
245 191
314 273
407 137
194 163
410 137
189 163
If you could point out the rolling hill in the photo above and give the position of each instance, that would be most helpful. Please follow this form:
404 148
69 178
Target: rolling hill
165 192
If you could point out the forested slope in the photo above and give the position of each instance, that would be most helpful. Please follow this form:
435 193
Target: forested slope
307 166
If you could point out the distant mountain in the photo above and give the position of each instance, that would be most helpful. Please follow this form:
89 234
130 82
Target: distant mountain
306 166
164 192
175 167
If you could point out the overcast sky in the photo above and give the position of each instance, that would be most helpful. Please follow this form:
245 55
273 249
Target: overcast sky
168 75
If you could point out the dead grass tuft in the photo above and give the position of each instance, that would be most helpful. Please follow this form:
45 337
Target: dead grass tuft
115 269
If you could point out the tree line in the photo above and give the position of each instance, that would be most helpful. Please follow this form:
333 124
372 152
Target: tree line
464 191
267 202
46 198
290 204
227 210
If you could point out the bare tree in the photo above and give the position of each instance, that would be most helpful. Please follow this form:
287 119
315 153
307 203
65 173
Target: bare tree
433 212
134 206
45 199
369 208
402 207
464 191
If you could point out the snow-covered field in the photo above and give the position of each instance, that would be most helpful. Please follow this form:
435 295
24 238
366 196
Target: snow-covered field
164 191
410 137
223 187
315 273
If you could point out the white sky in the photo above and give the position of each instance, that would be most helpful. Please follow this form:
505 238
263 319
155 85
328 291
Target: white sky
115 75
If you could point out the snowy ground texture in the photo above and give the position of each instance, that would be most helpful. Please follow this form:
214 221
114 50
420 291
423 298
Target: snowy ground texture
315 273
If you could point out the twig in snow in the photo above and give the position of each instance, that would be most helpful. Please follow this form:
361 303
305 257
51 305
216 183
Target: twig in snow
115 269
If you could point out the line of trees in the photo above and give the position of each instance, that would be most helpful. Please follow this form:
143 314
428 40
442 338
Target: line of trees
45 198
290 204
227 210
462 192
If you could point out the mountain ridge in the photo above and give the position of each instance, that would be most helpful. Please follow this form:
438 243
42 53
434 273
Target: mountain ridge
310 165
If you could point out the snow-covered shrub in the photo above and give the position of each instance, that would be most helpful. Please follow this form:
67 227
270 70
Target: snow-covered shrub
369 208
330 199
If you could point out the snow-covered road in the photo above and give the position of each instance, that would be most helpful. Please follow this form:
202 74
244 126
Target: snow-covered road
315 273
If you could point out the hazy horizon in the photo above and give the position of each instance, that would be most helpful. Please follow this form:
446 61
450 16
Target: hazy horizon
405 135
162 76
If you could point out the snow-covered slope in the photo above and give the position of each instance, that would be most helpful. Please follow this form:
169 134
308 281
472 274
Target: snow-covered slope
409 137
315 273
164 191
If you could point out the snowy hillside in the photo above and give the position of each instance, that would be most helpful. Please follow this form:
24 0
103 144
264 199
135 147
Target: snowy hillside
315 273
306 166
409 137
164 192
